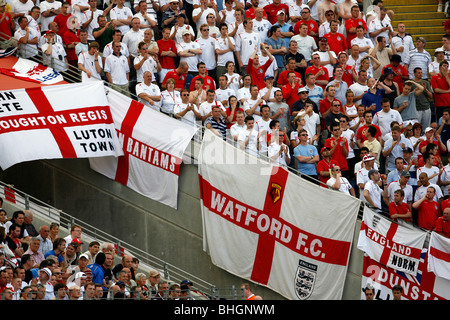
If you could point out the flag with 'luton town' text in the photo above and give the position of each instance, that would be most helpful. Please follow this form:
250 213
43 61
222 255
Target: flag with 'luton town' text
153 145
54 122
389 243
268 225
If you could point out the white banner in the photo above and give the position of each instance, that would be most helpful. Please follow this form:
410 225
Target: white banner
439 256
61 121
268 225
32 71
423 286
153 145
391 244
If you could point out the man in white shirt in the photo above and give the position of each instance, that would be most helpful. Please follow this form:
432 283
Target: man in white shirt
54 53
205 108
20 8
372 191
186 112
249 138
189 51
200 13
306 44
263 127
90 63
27 39
133 37
402 41
380 26
89 18
108 50
121 15
252 107
340 183
144 62
245 45
236 128
224 47
148 93
278 152
117 70
146 20
260 25
208 55
49 9
223 93
385 116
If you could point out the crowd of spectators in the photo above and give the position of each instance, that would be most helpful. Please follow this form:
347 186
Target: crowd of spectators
331 90
33 266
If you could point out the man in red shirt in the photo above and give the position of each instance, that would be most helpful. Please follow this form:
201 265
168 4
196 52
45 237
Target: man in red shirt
320 72
61 19
352 23
273 9
361 133
441 87
71 38
338 147
336 40
400 72
342 58
179 75
208 82
291 65
428 210
167 53
7 25
325 165
313 27
250 12
291 89
398 209
257 71
443 223
325 103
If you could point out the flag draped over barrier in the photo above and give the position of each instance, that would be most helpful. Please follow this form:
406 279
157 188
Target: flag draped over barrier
270 226
32 71
391 244
61 121
439 255
153 145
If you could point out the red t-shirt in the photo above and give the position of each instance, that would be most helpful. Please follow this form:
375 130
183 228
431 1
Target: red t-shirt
272 9
312 27
347 76
6 25
282 78
325 76
440 99
208 82
445 204
250 13
403 208
443 226
336 42
428 214
325 105
61 21
323 165
353 23
259 73
290 94
68 38
228 111
399 69
361 133
180 79
425 143
338 153
166 61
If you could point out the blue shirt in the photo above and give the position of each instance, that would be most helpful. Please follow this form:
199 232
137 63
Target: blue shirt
277 44
369 99
286 28
396 152
306 151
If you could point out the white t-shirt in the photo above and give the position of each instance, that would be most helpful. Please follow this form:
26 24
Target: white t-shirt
132 39
261 28
274 149
118 68
121 14
88 61
44 6
191 61
245 45
222 44
345 186
305 45
252 146
169 100
208 55
85 16
148 65
151 90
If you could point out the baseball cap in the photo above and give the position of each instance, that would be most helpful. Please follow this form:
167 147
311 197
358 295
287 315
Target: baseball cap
438 50
428 129
368 157
280 12
408 149
323 149
421 39
405 174
302 89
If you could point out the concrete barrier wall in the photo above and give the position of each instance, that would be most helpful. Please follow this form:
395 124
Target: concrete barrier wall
172 235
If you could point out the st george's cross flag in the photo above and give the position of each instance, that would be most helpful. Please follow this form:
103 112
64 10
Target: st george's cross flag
439 256
391 244
153 145
268 225
53 122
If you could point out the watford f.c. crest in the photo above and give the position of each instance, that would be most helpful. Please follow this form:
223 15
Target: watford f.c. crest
275 192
